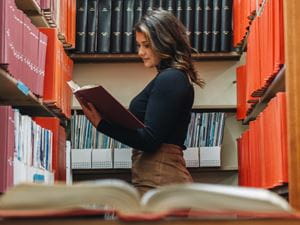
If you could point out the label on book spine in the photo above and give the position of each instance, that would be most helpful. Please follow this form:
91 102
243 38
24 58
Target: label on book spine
22 87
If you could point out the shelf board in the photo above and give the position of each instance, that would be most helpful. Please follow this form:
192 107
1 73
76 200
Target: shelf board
277 85
33 11
93 58
125 171
25 101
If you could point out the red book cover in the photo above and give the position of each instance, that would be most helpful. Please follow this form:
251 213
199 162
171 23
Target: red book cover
52 58
4 27
281 105
42 60
241 88
3 147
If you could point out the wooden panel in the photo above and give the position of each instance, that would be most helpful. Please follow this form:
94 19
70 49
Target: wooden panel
84 57
292 44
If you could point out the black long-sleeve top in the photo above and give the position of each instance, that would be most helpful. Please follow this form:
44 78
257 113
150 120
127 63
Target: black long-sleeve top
164 106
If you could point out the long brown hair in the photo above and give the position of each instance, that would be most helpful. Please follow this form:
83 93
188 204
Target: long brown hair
169 40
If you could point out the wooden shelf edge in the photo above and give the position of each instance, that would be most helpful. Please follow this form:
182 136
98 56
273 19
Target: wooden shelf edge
27 103
90 171
34 12
277 85
85 57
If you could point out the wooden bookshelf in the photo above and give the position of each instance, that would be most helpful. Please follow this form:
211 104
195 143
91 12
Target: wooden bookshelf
11 93
85 57
277 85
125 174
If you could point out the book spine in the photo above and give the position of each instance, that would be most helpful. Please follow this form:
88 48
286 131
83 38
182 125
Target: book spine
160 4
207 25
216 25
116 29
81 22
138 13
198 26
170 6
179 10
127 26
226 26
188 18
104 24
149 6
92 26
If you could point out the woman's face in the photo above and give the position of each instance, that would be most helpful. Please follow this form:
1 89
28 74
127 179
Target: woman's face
145 51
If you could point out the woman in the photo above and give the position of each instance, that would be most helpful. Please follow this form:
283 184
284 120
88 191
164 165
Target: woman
164 105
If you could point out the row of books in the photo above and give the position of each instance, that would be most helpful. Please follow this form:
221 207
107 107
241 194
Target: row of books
33 143
22 47
106 26
243 14
58 13
58 145
57 93
23 173
265 56
205 130
23 140
262 149
120 158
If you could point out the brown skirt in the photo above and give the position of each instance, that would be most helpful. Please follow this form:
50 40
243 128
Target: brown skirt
165 166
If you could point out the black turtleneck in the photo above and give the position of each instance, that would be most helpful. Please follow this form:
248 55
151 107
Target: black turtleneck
164 106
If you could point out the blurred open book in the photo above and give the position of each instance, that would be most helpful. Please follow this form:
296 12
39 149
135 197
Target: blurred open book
100 197
110 109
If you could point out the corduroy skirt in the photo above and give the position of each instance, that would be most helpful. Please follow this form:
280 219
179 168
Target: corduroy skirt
165 166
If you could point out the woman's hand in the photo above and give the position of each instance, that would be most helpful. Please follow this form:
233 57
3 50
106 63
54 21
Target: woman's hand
91 113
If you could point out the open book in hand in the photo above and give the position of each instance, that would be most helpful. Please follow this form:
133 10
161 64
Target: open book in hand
103 196
108 107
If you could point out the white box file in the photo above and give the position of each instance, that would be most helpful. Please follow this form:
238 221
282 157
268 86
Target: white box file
210 156
81 158
102 158
191 157
122 158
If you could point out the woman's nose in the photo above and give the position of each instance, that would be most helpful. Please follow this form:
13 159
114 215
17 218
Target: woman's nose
141 52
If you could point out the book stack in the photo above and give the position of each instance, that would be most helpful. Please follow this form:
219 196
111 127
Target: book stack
106 26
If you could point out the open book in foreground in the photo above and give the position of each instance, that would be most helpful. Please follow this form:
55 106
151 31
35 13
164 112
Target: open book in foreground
109 108
115 196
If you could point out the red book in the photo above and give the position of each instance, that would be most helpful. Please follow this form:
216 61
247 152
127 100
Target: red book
110 109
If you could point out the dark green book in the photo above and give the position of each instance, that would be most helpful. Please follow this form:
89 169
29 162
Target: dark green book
128 20
116 28
104 26
81 22
92 19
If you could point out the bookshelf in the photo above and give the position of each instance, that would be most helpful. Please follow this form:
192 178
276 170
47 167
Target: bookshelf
84 57
277 85
217 96
198 174
13 93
